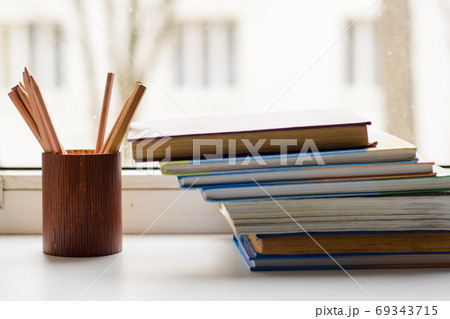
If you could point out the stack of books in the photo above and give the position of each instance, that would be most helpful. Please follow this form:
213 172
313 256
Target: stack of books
309 189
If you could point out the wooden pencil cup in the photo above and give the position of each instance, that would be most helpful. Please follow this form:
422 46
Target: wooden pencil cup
82 204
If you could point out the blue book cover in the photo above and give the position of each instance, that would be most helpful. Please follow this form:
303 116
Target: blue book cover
339 188
325 261
384 148
299 173
321 195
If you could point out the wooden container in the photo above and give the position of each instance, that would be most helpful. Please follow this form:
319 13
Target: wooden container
82 204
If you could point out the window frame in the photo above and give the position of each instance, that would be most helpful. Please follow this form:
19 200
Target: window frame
147 198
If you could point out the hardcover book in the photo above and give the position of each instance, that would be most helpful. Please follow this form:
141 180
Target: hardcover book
238 134
384 148
311 173
324 261
305 189
351 242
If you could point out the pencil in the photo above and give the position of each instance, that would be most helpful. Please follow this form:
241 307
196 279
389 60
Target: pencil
114 128
105 109
15 98
54 141
119 130
20 91
29 102
116 122
37 114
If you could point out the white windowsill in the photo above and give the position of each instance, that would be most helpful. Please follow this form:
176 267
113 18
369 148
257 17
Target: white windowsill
193 267
131 179
145 198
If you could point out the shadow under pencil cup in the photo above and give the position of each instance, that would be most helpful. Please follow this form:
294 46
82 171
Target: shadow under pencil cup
82 204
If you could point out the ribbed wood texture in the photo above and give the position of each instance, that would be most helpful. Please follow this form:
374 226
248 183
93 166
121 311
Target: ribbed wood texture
82 204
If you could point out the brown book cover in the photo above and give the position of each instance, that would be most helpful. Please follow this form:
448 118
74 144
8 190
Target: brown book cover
238 134
353 243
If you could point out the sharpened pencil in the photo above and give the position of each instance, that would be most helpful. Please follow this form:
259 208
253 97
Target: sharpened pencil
29 102
37 114
119 130
54 141
15 98
104 115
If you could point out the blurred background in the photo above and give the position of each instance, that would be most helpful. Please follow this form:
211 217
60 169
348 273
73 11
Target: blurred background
388 60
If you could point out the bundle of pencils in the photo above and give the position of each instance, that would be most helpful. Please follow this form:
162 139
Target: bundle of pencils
29 102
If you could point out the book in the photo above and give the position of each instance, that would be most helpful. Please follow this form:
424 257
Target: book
323 261
351 242
380 213
243 134
308 173
325 189
384 148
432 203
343 224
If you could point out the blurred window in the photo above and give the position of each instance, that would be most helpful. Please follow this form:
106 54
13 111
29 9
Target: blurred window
387 60
205 54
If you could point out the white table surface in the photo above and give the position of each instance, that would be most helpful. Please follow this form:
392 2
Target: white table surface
193 267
